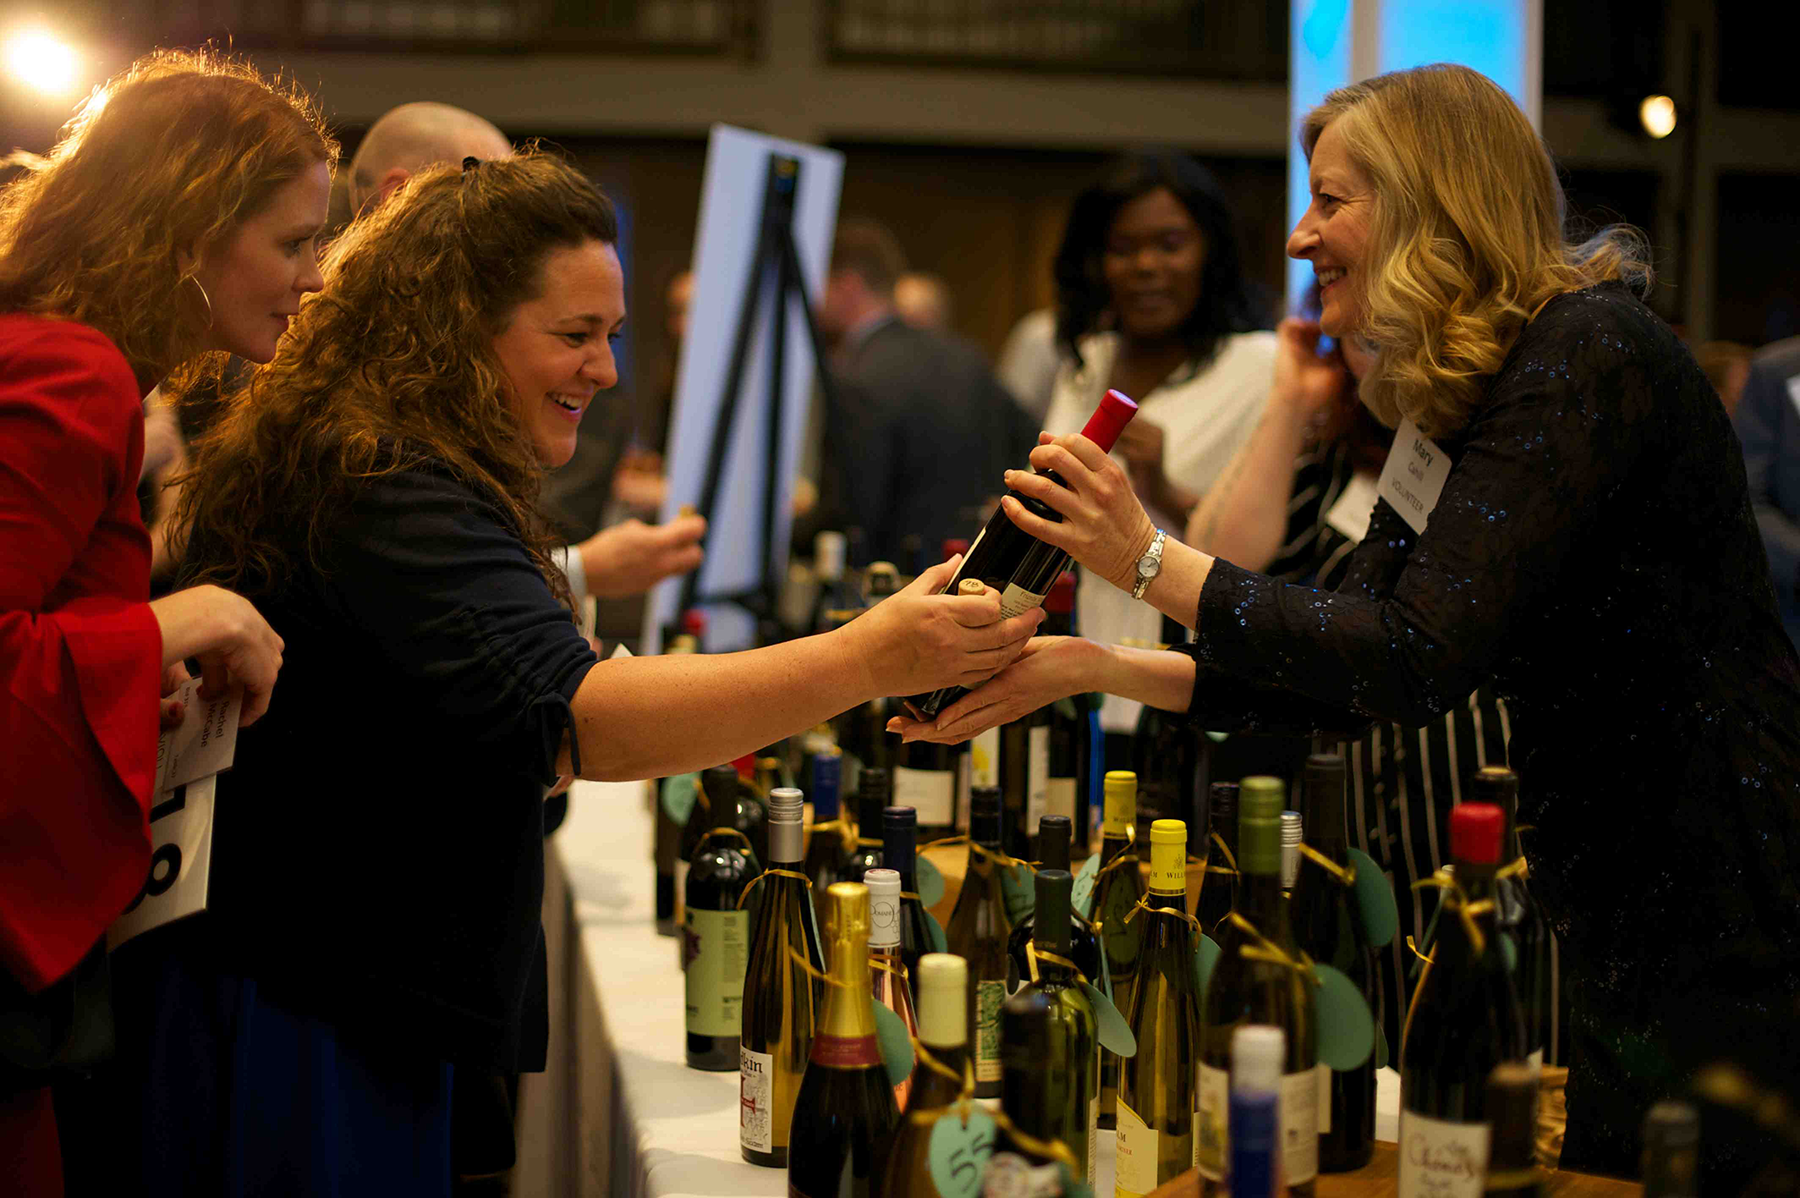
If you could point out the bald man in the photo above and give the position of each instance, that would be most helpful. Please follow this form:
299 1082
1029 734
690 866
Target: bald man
626 559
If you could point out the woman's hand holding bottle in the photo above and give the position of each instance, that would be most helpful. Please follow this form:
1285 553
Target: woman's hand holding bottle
1104 527
918 640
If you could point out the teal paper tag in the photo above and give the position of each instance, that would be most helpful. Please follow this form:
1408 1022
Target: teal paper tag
959 1153
1020 888
1381 1047
679 794
1346 1027
896 1044
1115 1033
1082 897
930 879
1206 955
939 942
1375 900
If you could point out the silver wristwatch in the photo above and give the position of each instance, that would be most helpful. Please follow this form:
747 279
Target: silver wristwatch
1150 565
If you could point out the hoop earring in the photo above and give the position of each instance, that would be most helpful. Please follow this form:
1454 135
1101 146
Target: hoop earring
204 298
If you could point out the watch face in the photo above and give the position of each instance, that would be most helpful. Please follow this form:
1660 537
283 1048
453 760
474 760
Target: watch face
1148 566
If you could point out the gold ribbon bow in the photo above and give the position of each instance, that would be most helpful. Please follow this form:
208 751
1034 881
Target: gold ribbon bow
1515 869
806 966
1456 899
1230 868
779 873
1143 904
1264 949
964 1102
745 840
998 856
1344 874
1034 954
842 828
1055 1150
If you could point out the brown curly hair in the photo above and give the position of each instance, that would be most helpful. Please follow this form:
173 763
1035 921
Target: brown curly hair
391 367
158 166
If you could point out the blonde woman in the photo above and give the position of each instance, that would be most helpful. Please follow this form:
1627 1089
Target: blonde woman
1591 553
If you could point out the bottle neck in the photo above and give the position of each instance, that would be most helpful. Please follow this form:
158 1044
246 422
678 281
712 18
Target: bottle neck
1509 843
848 1012
786 845
1111 845
1477 883
868 814
1322 816
1168 875
1055 851
1261 902
984 833
722 814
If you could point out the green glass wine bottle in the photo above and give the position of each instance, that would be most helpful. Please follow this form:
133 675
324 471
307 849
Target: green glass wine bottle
978 932
944 1031
1116 892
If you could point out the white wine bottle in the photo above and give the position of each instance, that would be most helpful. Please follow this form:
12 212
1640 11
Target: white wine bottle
1117 890
889 980
978 933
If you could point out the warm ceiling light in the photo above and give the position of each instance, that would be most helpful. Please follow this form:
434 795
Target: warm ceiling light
1658 116
42 61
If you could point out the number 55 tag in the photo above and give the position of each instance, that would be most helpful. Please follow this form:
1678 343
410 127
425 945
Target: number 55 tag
959 1155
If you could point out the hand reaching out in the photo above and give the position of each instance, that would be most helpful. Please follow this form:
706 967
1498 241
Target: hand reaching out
632 557
1050 668
918 640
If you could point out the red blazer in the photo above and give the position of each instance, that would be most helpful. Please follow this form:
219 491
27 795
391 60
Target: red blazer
80 651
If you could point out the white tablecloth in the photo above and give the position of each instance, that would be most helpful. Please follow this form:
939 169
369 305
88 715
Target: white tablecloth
619 1114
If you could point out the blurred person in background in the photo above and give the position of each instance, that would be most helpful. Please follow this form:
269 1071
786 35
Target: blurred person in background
375 486
1029 361
176 222
920 423
1768 425
1152 300
922 300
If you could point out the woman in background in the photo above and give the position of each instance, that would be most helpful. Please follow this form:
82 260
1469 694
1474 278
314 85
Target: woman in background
175 222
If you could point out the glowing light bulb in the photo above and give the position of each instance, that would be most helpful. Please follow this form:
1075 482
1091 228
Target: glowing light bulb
1658 116
42 61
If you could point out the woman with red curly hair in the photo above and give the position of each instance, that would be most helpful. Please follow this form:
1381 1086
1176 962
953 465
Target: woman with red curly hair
174 223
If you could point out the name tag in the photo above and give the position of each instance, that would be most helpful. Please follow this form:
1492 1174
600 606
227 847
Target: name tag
1414 475
188 761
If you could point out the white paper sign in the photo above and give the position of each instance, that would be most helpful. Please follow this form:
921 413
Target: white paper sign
204 742
1414 475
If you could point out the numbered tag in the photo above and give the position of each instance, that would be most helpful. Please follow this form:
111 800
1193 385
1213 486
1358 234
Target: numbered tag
930 879
1115 1033
181 823
959 1154
1081 897
1414 476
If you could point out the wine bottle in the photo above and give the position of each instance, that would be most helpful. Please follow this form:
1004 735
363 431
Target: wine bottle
1049 1039
1511 1100
835 594
1015 563
718 784
1166 756
1219 885
925 780
781 1001
752 813
1329 930
1464 1020
978 933
899 852
1024 779
1157 1102
829 845
1517 913
1116 892
888 979
1066 792
881 580
665 850
1258 990
845 1113
1671 1160
943 1029
1257 1159
1291 828
716 938
871 800
1084 945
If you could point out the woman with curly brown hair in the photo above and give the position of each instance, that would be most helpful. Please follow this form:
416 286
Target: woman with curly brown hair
172 224
1579 533
372 921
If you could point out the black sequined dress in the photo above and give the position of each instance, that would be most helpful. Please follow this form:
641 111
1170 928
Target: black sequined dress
1594 557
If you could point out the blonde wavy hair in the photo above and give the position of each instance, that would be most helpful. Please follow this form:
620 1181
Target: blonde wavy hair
391 367
159 165
1466 239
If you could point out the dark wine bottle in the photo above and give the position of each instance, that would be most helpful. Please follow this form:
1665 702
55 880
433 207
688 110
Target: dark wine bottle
1049 1038
925 780
900 852
1024 781
1512 1098
845 1114
781 1001
1158 1105
888 979
943 1029
1464 1019
1328 928
871 801
832 839
1517 913
716 938
1084 944
752 810
1015 563
1116 892
978 933
665 849
1219 885
1255 989
718 784
1067 791
1165 756
837 598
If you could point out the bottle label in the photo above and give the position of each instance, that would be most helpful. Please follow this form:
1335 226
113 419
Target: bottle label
884 922
1015 600
1194 1139
717 949
1300 1126
1168 871
1214 1117
845 1052
1093 1155
1059 799
1324 1072
988 997
1037 774
681 872
984 759
756 1100
1134 1175
1440 1158
932 793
